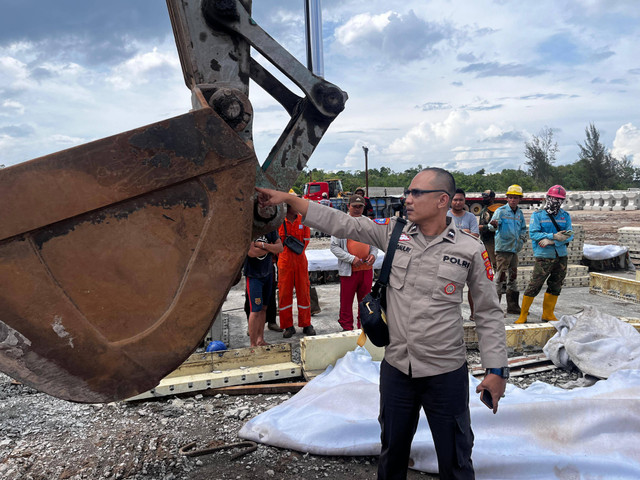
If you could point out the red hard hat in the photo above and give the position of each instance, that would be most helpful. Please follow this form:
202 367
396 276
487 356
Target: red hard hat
557 191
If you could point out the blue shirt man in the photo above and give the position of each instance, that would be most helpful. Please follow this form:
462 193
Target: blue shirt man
511 232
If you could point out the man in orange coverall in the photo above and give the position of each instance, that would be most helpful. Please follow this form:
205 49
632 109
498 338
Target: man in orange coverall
293 272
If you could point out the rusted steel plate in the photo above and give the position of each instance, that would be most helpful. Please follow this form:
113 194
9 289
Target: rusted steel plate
115 291
81 179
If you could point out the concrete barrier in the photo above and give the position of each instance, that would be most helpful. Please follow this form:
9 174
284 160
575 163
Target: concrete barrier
592 201
607 201
575 201
621 200
613 200
633 201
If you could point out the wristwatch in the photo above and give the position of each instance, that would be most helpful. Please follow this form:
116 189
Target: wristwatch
501 372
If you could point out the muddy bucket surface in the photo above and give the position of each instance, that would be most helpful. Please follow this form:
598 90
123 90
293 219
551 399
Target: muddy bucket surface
115 256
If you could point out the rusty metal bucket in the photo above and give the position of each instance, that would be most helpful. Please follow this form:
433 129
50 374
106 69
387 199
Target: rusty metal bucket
116 255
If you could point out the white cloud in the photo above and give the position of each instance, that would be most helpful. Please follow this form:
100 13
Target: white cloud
429 82
627 142
140 68
11 108
364 30
397 36
425 134
354 160
12 70
64 141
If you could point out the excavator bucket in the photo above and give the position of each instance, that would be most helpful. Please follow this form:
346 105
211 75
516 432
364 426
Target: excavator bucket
116 255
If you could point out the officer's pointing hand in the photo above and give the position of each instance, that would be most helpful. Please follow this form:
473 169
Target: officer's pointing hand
269 198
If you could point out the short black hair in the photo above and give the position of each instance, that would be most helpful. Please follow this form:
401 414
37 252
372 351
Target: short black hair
444 178
461 191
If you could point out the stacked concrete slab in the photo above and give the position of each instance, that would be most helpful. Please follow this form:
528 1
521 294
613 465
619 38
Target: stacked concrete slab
630 237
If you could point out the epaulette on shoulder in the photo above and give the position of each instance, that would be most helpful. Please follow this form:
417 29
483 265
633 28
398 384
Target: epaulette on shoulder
477 239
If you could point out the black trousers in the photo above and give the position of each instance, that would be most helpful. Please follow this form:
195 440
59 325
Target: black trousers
445 400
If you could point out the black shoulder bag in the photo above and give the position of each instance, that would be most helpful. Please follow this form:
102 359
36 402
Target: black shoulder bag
372 315
295 245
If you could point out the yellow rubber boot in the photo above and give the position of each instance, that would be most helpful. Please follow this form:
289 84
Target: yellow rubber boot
524 309
548 306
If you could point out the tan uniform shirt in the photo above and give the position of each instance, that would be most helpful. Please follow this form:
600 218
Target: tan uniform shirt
425 293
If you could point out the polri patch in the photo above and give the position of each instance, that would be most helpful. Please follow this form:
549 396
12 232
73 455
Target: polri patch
449 288
489 270
456 261
381 221
485 255
404 238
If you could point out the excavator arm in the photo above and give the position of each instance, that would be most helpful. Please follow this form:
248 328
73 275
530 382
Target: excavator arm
116 255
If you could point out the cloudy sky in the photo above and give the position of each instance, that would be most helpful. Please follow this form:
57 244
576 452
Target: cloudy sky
460 84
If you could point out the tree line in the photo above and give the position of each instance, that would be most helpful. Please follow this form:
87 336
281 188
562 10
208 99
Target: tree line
595 169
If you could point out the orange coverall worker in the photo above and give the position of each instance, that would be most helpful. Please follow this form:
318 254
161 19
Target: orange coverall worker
293 272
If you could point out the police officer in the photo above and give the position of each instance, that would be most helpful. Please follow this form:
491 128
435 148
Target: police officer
550 232
424 364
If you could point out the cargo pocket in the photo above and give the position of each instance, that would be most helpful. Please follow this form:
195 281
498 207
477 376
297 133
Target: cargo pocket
399 269
449 283
463 440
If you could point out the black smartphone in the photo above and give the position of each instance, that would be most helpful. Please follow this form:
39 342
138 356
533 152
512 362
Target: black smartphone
485 397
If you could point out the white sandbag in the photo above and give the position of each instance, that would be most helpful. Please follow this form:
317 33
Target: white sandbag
597 343
541 432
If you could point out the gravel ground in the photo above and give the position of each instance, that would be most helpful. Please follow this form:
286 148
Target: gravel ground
42 437
47 438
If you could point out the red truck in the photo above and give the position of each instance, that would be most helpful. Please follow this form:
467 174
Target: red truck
474 203
314 190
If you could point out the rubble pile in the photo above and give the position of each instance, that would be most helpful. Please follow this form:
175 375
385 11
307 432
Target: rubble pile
43 437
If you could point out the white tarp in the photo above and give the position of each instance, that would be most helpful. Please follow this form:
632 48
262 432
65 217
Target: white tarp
602 252
597 343
322 260
541 432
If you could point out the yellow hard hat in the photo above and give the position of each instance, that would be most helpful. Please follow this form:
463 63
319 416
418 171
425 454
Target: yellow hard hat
514 190
291 192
